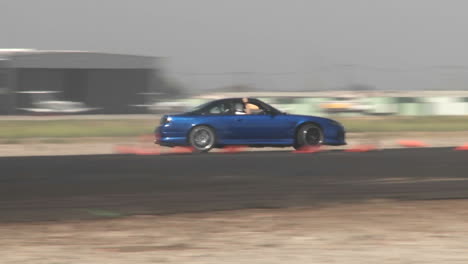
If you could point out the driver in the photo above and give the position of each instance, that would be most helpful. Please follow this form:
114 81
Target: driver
249 107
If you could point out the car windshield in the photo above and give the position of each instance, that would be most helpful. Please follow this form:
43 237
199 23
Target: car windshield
263 105
196 108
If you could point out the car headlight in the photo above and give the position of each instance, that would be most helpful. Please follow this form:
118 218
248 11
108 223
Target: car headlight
165 120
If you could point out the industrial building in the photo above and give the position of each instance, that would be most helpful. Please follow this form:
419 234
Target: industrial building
106 83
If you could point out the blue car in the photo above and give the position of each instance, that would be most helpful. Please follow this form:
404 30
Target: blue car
228 121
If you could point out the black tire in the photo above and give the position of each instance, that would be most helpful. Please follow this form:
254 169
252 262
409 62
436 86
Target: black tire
308 135
202 138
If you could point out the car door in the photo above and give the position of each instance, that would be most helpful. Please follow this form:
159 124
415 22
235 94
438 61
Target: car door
221 117
261 127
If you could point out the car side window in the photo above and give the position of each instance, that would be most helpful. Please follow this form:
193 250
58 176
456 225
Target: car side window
223 108
255 109
249 108
239 108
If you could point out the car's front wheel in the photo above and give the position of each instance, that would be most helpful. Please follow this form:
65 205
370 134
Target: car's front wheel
308 135
202 138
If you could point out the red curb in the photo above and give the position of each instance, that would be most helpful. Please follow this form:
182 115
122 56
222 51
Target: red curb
144 151
124 149
462 147
233 149
307 149
181 150
412 144
361 148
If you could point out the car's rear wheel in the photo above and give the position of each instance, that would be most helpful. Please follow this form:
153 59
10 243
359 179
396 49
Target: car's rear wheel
308 135
202 138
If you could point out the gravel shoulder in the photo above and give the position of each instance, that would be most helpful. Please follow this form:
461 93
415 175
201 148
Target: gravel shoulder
372 232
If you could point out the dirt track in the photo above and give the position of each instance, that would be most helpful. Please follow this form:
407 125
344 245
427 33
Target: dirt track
373 232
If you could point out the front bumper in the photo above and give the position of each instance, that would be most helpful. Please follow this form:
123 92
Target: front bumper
168 139
336 137
157 136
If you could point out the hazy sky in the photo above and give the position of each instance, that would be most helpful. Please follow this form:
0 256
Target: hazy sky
273 44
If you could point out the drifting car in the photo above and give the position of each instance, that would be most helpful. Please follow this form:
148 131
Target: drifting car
224 122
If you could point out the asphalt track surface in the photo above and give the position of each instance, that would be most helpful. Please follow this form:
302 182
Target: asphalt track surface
82 187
